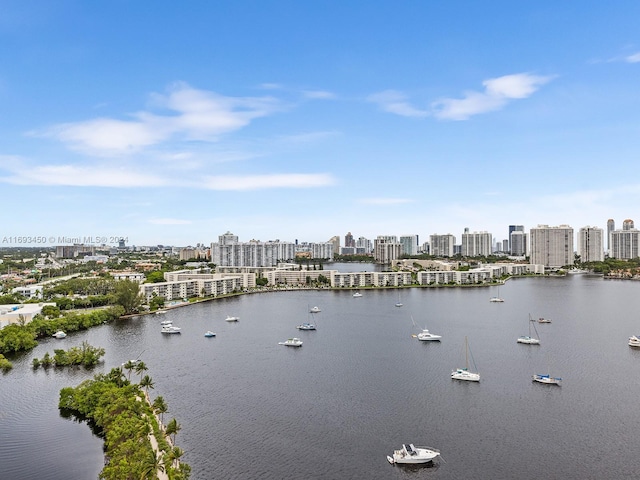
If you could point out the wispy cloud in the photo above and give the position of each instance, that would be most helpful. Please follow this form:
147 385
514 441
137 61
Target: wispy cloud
384 201
185 113
169 221
318 94
497 93
396 102
635 58
260 182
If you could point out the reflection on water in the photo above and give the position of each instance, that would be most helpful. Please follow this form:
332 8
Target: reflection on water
361 385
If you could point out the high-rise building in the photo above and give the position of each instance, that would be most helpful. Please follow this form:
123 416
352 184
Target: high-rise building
335 240
349 241
386 249
611 226
627 224
625 244
228 252
442 245
364 246
514 228
409 244
476 244
590 244
518 241
552 246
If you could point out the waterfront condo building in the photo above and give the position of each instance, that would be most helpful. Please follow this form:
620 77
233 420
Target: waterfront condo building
386 249
590 244
409 244
552 246
442 245
518 241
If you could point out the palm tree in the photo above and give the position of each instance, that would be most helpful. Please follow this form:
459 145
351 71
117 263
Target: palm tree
146 382
173 427
140 368
152 465
129 366
172 457
161 407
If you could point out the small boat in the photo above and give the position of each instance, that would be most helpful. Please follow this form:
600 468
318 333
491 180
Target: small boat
528 339
315 310
427 336
306 326
59 334
231 319
209 334
546 379
170 329
464 373
166 322
634 341
410 454
398 303
497 298
292 342
544 320
160 312
357 294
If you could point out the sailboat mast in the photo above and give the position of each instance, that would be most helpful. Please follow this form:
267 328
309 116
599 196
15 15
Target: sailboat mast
466 353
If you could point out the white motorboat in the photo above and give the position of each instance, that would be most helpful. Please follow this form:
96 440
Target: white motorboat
634 341
209 333
315 310
528 339
231 319
496 300
306 326
546 379
427 336
410 454
59 334
166 322
292 342
161 312
357 294
544 320
170 329
464 373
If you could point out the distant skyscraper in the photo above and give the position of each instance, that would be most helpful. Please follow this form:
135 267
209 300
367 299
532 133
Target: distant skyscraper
518 242
364 246
349 241
442 245
409 244
476 244
625 244
590 244
627 224
336 244
386 249
514 228
552 246
611 226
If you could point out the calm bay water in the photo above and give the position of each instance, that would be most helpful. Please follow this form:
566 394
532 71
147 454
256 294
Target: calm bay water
361 386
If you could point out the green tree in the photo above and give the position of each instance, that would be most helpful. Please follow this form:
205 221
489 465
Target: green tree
129 366
152 464
128 295
173 427
146 382
140 368
161 407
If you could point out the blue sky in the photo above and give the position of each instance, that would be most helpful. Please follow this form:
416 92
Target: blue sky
173 123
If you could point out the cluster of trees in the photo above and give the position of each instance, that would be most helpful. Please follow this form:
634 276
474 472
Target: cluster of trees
21 337
114 405
85 354
613 265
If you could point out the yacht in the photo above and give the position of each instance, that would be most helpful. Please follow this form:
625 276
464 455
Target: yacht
544 320
634 341
170 329
547 379
411 454
306 326
464 373
231 319
427 336
357 294
292 342
496 300
209 333
315 310
166 322
59 334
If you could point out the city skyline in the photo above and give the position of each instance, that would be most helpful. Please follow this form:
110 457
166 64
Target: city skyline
285 120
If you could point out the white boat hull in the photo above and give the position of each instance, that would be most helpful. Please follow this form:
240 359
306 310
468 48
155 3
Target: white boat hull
427 336
528 341
546 379
634 341
464 374
411 455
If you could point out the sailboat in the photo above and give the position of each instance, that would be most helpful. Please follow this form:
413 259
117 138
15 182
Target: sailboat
528 339
425 335
464 373
398 303
497 298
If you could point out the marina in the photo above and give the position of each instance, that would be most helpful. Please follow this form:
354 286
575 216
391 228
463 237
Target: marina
352 418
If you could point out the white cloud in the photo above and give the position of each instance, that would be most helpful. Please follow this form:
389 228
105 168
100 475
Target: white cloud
396 102
258 182
635 58
498 92
318 94
169 221
191 115
384 201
